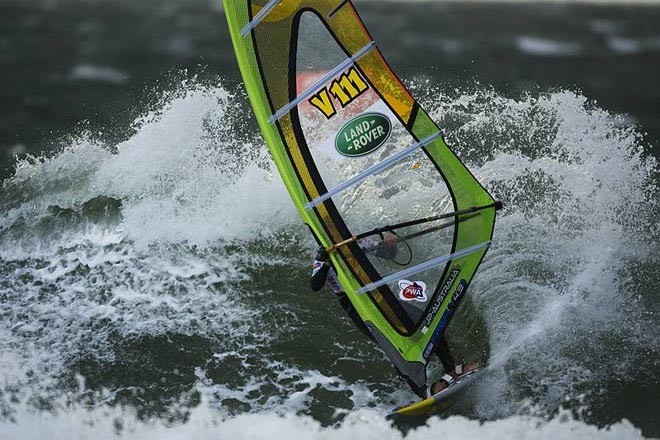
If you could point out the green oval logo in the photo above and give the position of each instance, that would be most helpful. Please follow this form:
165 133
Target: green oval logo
363 135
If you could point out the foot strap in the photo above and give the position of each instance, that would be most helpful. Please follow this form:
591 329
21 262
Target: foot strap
445 378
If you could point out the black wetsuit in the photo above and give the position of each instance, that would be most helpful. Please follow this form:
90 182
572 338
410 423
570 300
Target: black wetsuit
323 272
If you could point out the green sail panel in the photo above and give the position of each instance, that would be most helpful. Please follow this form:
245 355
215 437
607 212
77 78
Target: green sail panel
349 142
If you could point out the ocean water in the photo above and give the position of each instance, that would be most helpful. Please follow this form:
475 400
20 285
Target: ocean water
153 281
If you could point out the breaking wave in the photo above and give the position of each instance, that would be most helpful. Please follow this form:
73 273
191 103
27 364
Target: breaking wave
159 284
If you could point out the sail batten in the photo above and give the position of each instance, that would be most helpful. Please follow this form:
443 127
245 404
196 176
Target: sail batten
422 267
260 17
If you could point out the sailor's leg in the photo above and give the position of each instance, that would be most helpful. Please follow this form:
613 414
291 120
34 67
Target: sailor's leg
421 392
355 317
353 314
442 350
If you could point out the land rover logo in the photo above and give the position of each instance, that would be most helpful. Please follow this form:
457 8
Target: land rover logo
363 135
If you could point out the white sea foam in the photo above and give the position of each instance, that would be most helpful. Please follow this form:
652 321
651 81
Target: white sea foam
547 47
171 257
110 423
88 72
151 267
627 46
176 177
16 150
567 178
606 27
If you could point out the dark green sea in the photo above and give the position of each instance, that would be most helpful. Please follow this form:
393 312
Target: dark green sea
154 273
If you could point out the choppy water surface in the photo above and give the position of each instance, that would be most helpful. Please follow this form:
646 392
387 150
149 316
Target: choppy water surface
165 277
156 286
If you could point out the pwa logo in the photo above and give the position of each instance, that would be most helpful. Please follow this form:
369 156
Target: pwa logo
412 291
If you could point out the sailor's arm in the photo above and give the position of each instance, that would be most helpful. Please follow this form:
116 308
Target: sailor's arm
319 274
320 268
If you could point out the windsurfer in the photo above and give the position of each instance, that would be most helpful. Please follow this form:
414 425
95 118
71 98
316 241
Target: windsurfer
323 273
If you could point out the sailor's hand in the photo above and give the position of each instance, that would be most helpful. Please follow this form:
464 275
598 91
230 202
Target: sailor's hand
390 240
322 255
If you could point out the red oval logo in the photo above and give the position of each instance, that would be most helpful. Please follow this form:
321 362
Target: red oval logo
412 291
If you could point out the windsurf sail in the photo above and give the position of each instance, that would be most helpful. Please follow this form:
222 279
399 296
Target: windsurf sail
352 145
